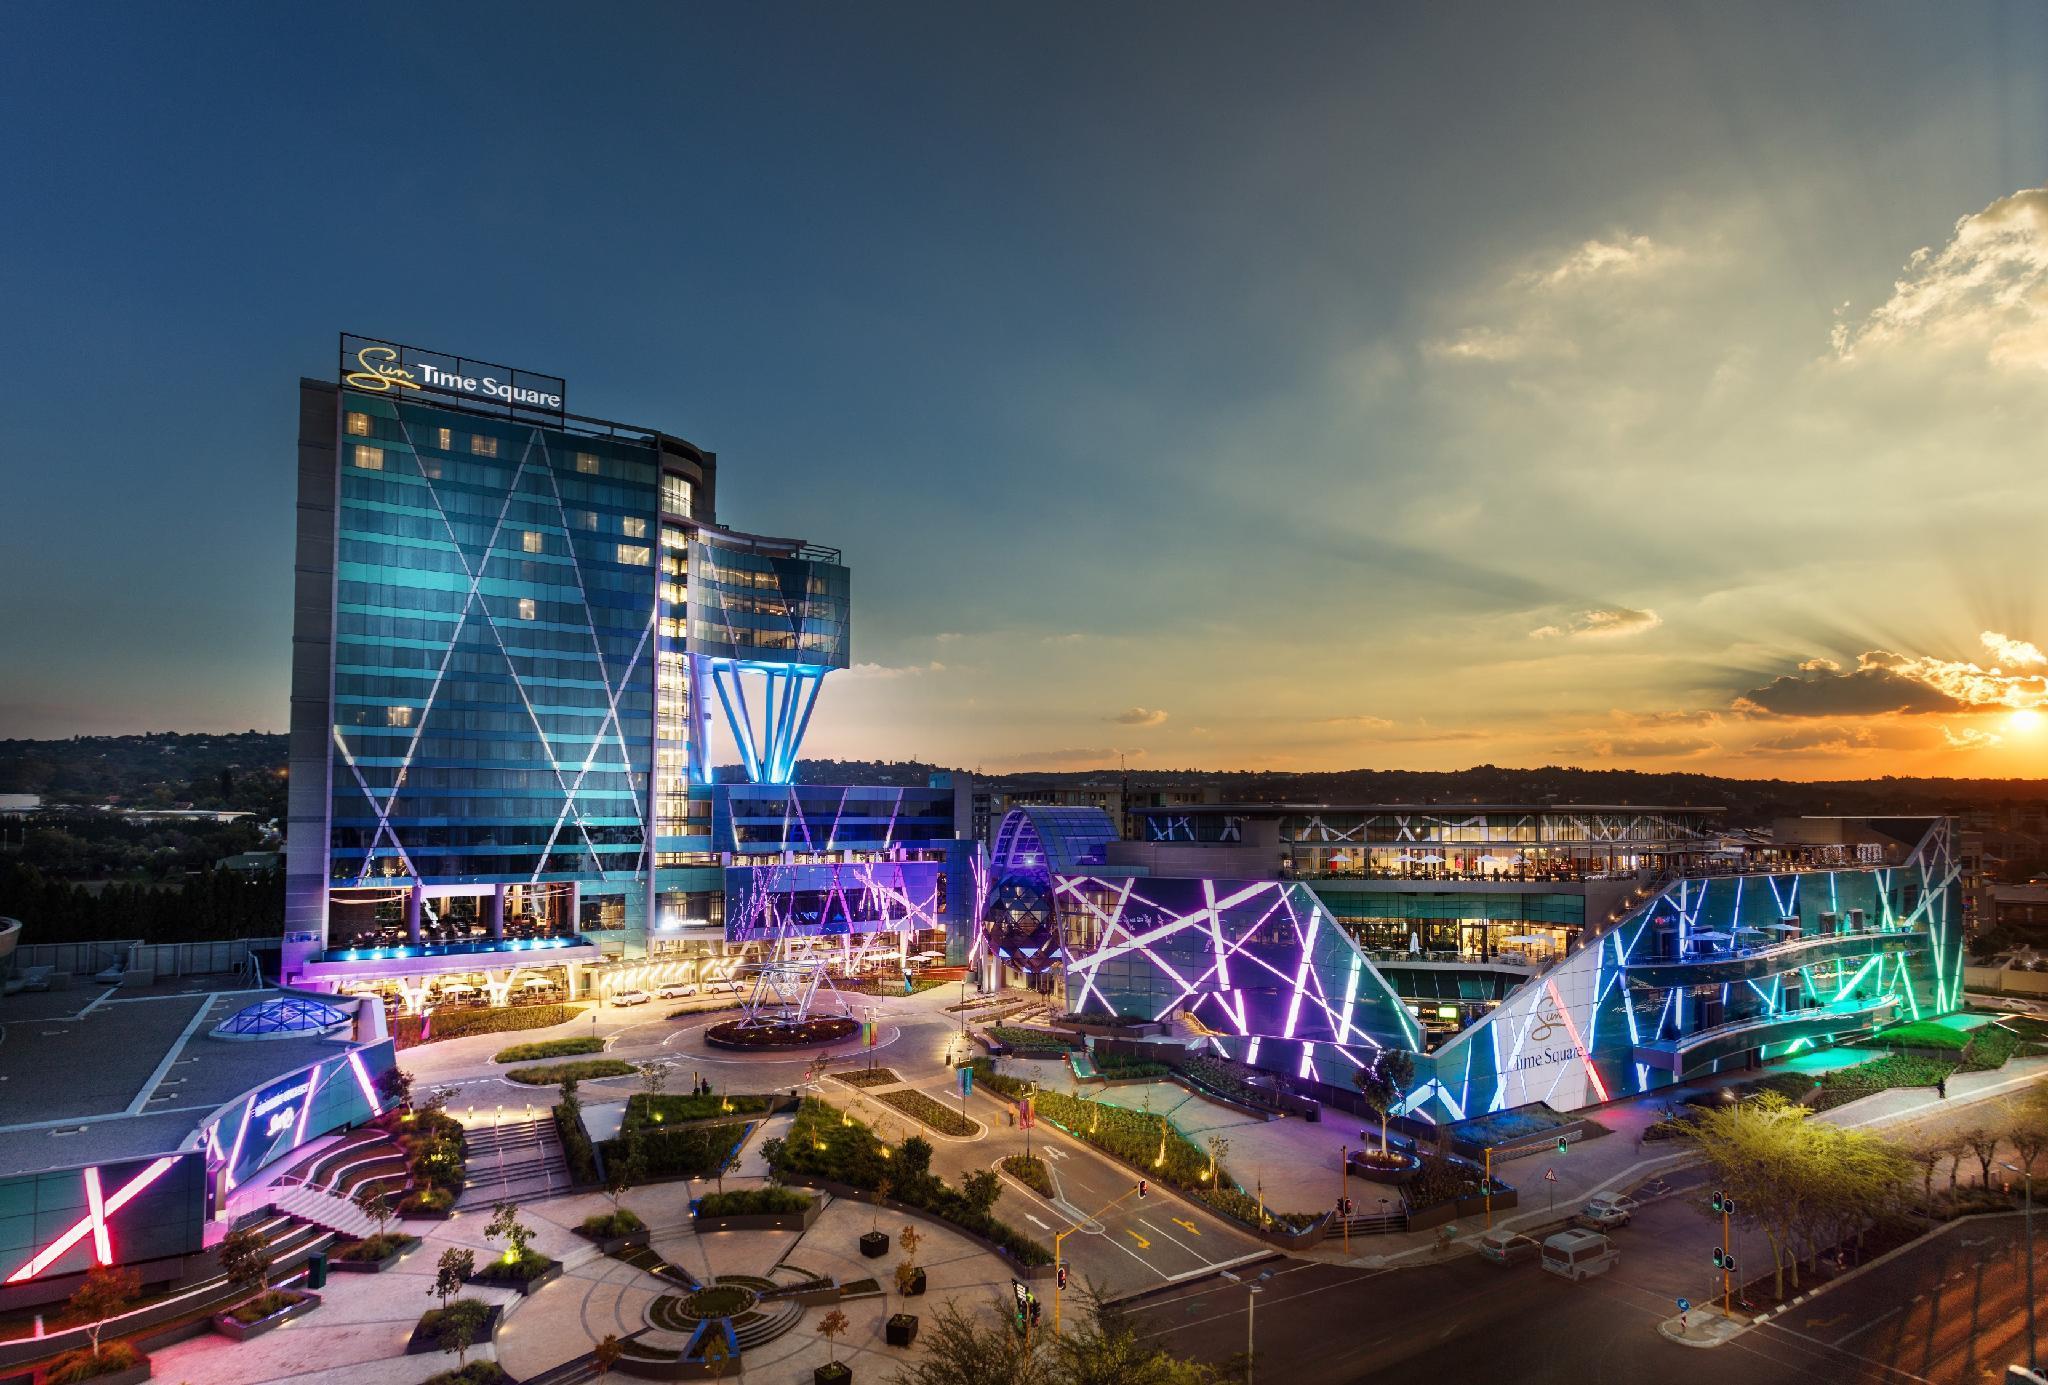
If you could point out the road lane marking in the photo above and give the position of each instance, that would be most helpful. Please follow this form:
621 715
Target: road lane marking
1849 1336
1143 1244
1190 1226
1046 1226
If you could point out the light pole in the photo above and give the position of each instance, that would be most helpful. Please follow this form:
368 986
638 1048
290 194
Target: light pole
2033 1347
1253 1289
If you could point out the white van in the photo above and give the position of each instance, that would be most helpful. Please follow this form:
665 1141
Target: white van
1579 1254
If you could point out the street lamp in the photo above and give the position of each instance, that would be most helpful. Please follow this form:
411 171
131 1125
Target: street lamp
2033 1345
1253 1289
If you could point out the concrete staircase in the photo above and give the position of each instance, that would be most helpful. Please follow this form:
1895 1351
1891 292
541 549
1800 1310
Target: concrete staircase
513 1161
323 1208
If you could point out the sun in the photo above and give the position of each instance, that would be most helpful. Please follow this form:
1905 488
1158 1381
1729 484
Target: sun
2025 719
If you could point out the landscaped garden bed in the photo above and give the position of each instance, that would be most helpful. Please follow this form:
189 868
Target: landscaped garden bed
756 1209
929 1111
548 1048
475 1373
1031 1043
457 1024
1029 1170
845 1155
372 1254
117 1363
614 1231
699 1150
270 1309
646 1112
426 1333
739 1034
524 1273
1922 1034
868 1077
584 1071
1844 1085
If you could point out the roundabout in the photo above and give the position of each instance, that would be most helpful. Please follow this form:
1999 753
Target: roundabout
758 1032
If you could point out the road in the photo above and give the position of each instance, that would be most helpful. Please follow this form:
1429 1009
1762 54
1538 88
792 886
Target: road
1946 1312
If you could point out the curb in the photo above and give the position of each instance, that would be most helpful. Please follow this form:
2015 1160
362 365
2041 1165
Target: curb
1186 1277
1893 1253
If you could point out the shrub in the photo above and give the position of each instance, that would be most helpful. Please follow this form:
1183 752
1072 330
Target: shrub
825 1143
1029 1170
1030 1040
549 1048
475 1373
1894 1070
645 1112
456 1024
1920 1034
576 1146
935 1114
868 1077
581 1072
1222 1078
1990 1046
83 1365
1117 1067
371 1248
686 1151
430 1200
747 1201
620 1223
263 1305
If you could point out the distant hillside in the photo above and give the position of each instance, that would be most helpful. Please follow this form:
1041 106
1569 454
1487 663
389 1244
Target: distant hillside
246 771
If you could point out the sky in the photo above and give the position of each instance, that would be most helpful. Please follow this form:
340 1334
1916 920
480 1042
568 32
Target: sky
1289 386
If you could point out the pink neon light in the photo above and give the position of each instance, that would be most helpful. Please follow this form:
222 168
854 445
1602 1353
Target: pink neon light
306 1108
96 1210
235 1155
94 1222
1591 1071
355 1062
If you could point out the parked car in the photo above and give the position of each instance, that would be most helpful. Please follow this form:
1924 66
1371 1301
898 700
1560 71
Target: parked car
676 992
1605 1211
632 997
1579 1254
1508 1247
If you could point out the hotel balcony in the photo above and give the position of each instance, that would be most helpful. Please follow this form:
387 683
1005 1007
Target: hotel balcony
465 955
1728 963
1687 1054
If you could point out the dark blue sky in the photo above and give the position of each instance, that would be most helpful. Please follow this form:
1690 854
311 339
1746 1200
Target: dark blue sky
1119 347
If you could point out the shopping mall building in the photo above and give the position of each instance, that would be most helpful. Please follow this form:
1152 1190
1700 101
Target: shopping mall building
524 642
1520 953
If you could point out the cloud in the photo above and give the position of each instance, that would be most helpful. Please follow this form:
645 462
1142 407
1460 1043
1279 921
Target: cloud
867 671
1090 755
2009 651
1139 716
1601 623
1627 254
948 636
1072 637
1703 717
1986 291
1818 740
1653 747
1819 666
1884 681
1369 722
1867 691
1970 738
1488 344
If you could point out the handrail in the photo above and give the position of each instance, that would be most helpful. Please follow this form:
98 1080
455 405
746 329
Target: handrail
1817 1012
1778 948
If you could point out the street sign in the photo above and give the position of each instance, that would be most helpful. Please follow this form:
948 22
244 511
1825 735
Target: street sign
1685 1305
966 1080
1550 1175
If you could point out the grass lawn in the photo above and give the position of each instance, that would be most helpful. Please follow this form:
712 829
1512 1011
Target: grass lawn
548 1048
868 1077
920 1107
1921 1034
582 1072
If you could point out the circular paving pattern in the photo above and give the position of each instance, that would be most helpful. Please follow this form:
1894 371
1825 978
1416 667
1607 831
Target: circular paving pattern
772 1034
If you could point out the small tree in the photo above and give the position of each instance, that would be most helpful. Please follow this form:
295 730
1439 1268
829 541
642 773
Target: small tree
830 1326
105 1291
458 1332
1983 1145
246 1258
622 1174
1383 1082
394 1088
505 1226
981 1189
606 1354
881 1195
373 1202
653 1081
451 1272
906 1273
2027 1126
1219 1149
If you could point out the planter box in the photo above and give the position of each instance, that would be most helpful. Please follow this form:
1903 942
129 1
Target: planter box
490 1280
901 1329
423 1342
228 1326
835 1374
764 1221
1017 1268
134 1375
612 1245
874 1244
412 1243
916 1285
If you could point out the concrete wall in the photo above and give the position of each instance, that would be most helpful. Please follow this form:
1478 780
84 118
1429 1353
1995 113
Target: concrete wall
2006 979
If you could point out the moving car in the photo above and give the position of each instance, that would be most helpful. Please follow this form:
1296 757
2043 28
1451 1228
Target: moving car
678 991
632 997
1579 1254
1605 1211
1508 1247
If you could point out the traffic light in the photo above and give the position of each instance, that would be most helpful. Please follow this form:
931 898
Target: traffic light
1343 1206
1141 1187
1720 1202
1723 1260
1563 1145
1034 1310
1062 1276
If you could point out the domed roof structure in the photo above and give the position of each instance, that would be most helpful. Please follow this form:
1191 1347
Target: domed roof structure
283 1017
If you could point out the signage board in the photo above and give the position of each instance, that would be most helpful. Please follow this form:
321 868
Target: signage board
383 367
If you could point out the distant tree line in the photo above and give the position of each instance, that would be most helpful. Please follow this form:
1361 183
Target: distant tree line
208 905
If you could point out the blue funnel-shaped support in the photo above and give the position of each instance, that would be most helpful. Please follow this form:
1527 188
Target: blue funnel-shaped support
768 727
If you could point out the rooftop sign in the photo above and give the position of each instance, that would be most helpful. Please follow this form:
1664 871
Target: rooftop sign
383 367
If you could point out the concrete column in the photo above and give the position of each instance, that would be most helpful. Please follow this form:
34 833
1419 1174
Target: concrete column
575 905
498 913
415 903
